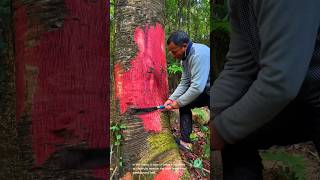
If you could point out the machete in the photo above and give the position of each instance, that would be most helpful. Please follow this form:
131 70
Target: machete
137 111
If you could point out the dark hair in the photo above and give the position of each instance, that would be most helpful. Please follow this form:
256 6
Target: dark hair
178 38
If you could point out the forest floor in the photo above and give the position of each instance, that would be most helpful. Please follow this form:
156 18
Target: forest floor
296 162
198 160
300 162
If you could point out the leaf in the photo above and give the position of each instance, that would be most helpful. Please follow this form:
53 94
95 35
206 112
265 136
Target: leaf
123 126
200 113
193 137
204 128
114 128
198 163
118 137
174 69
117 143
291 163
206 150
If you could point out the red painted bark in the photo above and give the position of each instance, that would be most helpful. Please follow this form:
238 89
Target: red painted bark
168 174
145 83
70 101
140 80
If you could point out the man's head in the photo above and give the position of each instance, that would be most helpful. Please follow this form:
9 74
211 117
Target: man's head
177 44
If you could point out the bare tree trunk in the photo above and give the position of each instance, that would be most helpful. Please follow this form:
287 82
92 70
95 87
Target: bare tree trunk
141 81
188 16
62 86
179 11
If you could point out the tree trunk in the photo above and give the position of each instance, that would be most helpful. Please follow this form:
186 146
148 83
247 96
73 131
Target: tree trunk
62 86
8 146
140 77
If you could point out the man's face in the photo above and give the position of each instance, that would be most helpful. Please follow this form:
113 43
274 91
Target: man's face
177 52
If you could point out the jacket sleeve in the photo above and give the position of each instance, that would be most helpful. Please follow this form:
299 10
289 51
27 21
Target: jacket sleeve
239 70
200 67
287 30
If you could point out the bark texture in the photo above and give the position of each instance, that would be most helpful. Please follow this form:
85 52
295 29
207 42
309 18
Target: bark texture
9 168
140 80
62 81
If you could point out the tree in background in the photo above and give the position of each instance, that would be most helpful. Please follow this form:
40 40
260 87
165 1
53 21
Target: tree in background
219 37
191 16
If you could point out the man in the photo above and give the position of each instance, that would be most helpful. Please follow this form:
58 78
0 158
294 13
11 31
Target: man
269 91
193 89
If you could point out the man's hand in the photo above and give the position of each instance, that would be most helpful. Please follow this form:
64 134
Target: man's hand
169 101
171 104
175 105
167 104
217 142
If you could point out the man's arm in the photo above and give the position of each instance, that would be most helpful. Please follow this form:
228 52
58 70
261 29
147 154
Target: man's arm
239 71
199 75
287 31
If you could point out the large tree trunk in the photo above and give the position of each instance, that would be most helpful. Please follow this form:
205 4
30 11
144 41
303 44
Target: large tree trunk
62 86
140 80
8 146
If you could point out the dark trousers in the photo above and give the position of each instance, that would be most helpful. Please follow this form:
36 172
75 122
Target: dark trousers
298 122
186 115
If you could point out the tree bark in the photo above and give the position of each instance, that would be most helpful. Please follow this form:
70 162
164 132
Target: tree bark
62 86
140 80
8 146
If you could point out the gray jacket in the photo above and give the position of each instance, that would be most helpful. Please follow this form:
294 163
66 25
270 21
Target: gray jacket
195 75
249 93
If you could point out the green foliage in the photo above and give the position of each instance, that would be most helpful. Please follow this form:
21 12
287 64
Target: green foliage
200 113
290 165
174 68
193 137
114 128
206 147
220 27
198 164
220 30
206 150
220 9
123 126
192 17
204 128
112 35
116 131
